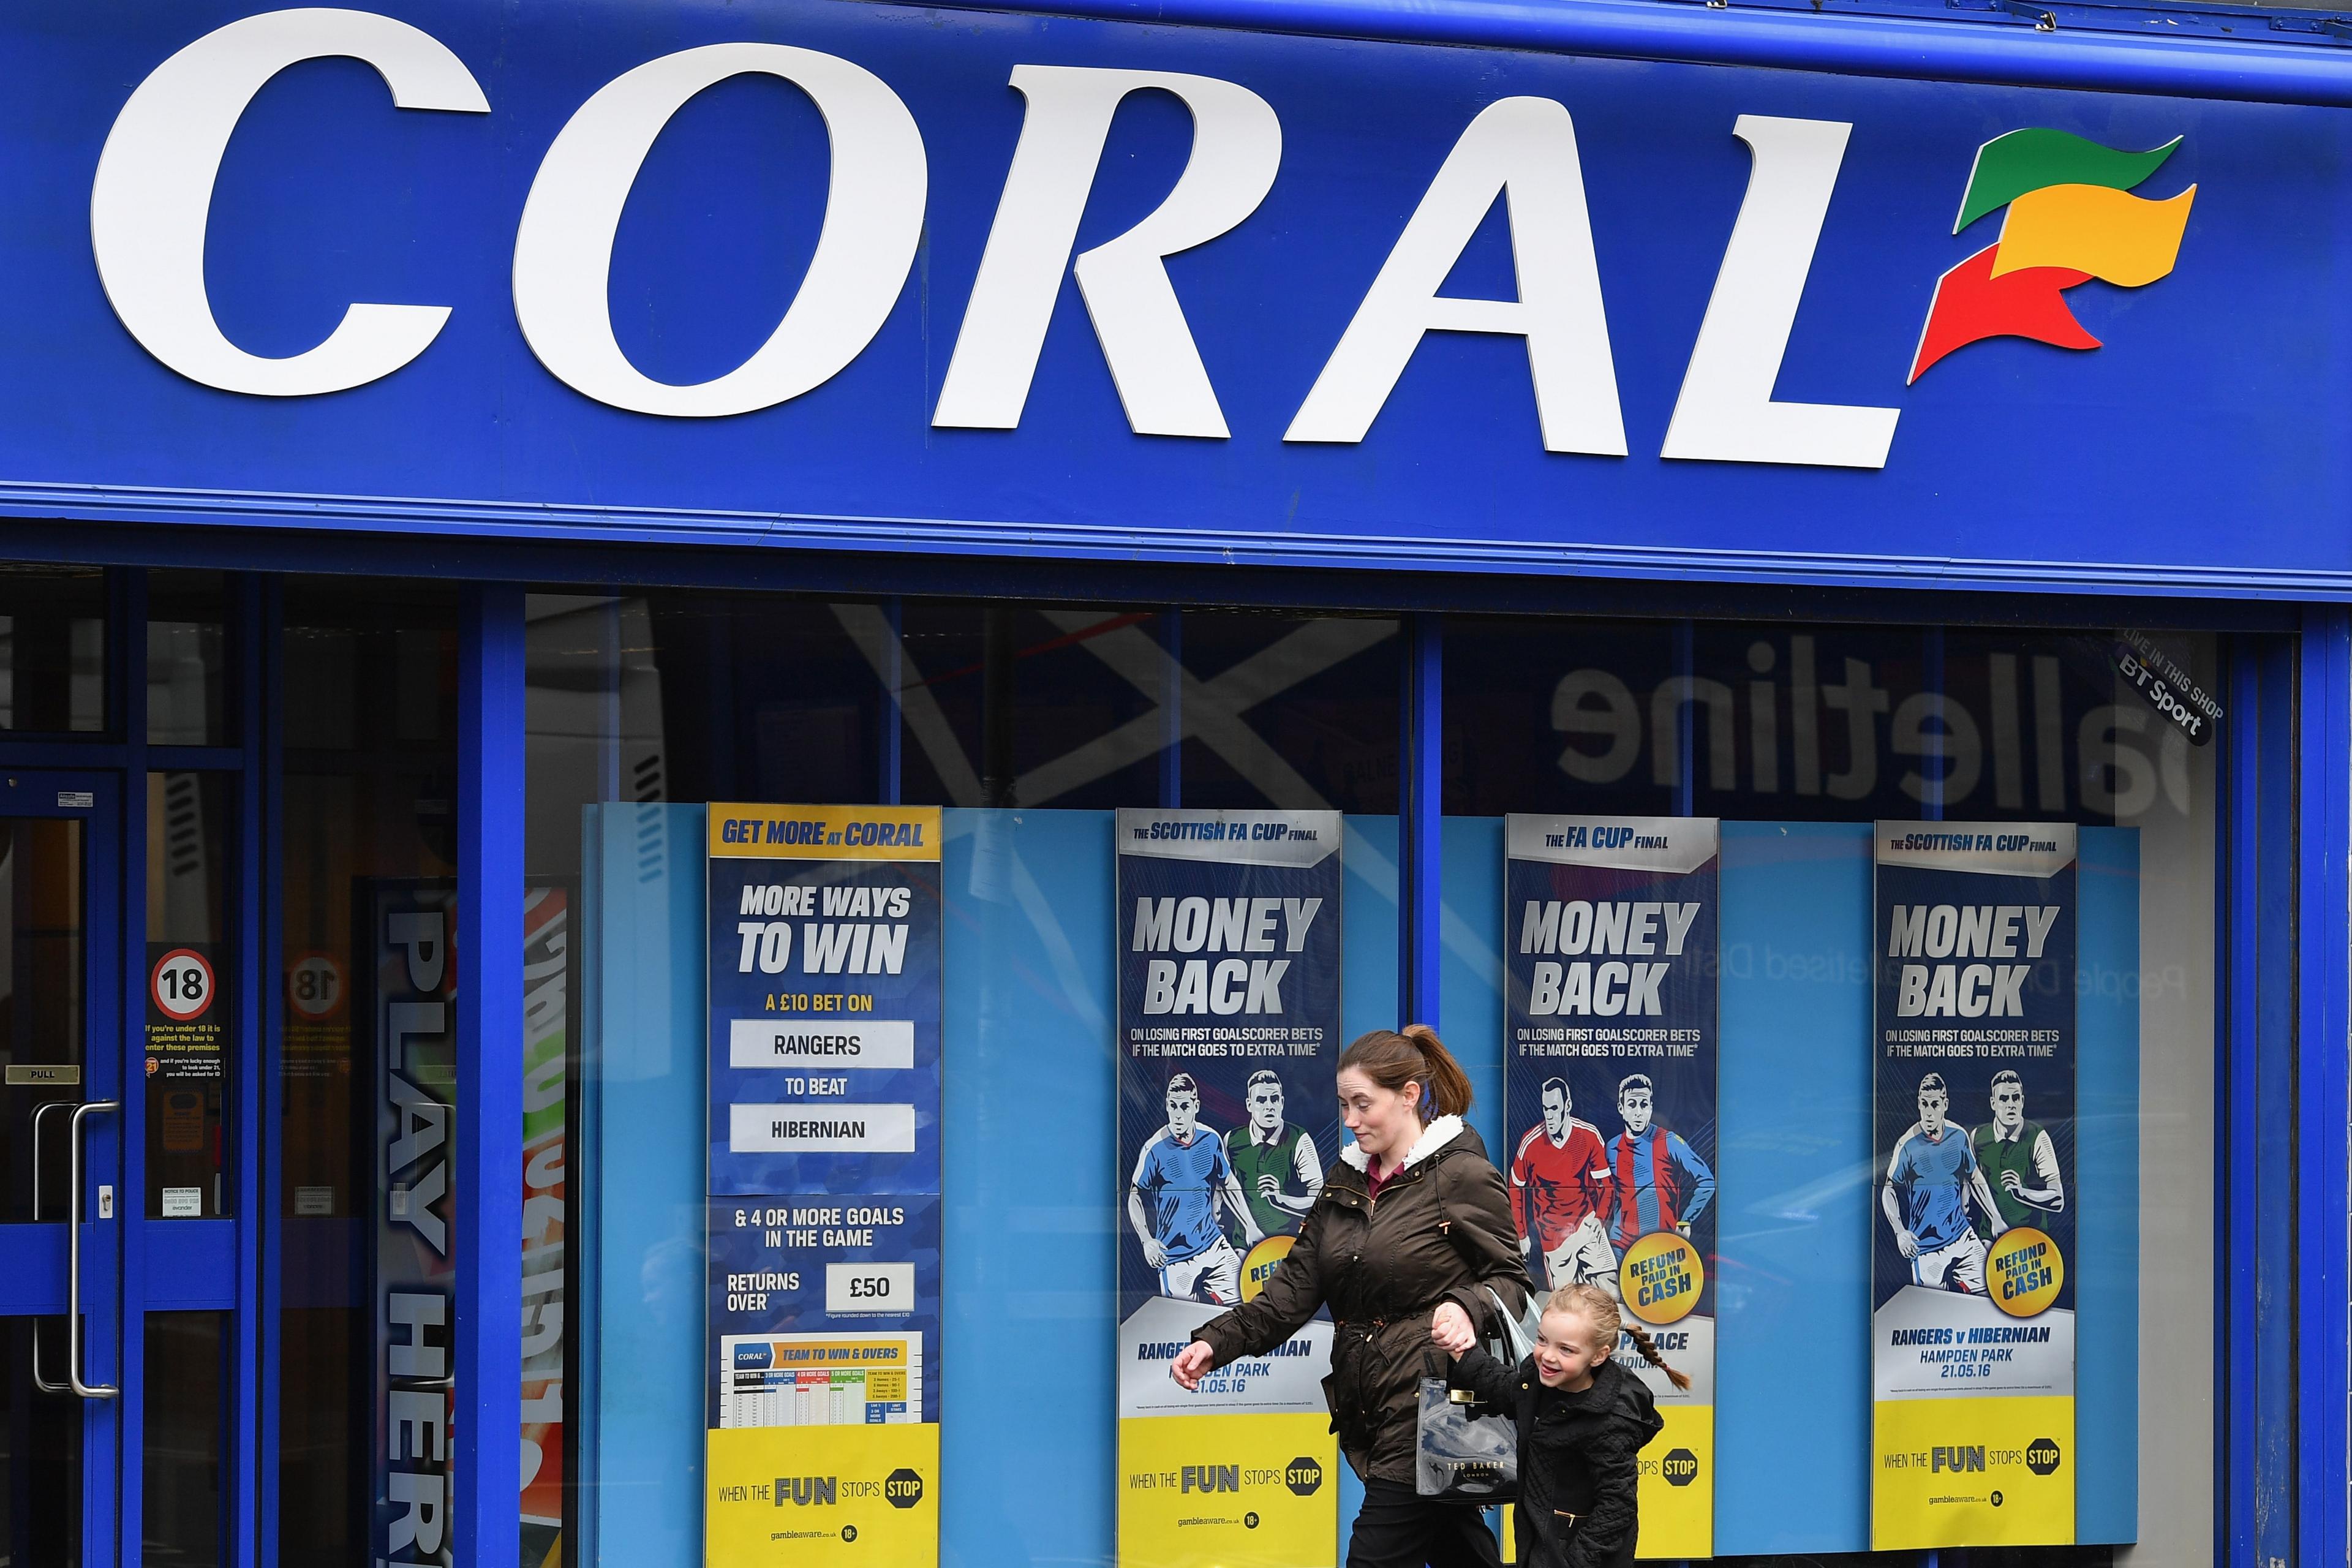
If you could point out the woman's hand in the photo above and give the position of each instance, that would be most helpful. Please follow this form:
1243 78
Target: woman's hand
1449 1326
1191 1365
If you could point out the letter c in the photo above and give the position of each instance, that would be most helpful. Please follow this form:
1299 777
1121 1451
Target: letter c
873 221
152 197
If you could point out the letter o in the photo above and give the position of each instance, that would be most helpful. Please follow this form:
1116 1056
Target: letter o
873 221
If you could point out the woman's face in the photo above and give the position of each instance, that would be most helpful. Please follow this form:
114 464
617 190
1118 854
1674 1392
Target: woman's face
1385 1121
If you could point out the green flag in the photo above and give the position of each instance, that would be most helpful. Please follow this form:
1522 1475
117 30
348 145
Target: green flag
2009 166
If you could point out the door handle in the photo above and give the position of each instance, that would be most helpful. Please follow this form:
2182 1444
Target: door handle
46 1385
73 1253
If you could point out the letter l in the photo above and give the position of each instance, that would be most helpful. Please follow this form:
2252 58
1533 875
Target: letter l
1725 413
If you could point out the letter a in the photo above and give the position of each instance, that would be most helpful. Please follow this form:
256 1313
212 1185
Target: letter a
1524 150
1725 413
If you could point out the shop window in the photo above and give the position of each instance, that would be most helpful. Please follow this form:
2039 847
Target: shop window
52 649
43 1008
368 838
1787 743
1028 726
188 658
190 1024
40 1512
1077 707
1812 723
185 1436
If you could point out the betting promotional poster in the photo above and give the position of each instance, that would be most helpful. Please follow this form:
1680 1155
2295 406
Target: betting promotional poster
1972 1327
1228 930
823 1318
1610 1106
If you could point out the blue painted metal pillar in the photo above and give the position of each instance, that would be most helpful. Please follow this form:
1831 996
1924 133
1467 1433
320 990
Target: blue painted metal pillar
889 762
2256 1111
488 942
266 762
1421 819
256 893
2323 1223
128 1333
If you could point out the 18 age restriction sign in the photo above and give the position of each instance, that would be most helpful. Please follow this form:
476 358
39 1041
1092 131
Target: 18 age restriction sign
181 988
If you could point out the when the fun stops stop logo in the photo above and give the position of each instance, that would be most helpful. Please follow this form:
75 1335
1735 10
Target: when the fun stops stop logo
2071 218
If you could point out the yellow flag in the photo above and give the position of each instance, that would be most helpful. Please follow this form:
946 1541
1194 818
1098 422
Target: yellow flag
2109 234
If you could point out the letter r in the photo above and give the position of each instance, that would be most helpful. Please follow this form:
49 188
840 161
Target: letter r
1163 385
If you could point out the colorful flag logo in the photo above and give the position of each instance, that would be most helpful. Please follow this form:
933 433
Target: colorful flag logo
2071 218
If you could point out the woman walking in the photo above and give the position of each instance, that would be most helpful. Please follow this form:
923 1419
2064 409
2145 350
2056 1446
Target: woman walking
1412 1231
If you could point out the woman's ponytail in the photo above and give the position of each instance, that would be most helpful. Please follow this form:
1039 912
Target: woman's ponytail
1449 1086
1395 1057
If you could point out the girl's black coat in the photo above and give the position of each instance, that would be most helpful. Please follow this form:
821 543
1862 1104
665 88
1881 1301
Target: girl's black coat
1586 1453
1440 1232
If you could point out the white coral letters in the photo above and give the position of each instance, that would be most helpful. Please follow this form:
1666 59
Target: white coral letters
1725 413
873 220
1524 150
1236 148
153 198
150 202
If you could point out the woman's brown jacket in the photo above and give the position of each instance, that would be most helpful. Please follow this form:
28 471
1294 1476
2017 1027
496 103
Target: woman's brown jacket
1440 1232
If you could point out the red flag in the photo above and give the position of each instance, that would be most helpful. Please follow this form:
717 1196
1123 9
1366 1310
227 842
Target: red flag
1972 304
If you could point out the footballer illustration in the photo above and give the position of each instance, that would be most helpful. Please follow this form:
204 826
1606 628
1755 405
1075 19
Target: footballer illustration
1279 1170
2020 1165
1172 1202
1929 1184
1657 1182
1559 1191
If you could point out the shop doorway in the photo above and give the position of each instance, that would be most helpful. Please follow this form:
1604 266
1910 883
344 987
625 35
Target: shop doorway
61 1388
113 1330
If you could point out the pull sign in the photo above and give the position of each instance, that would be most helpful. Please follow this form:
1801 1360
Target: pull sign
37 1073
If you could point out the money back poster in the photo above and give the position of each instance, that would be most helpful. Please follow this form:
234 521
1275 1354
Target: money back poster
822 1311
1228 1041
1972 1289
1612 977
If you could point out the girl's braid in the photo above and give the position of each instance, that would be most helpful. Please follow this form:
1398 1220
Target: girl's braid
1600 1308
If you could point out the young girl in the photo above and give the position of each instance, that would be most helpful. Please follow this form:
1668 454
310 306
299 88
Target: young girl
1581 1419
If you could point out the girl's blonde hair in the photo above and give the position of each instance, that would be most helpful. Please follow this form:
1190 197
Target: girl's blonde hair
1598 1308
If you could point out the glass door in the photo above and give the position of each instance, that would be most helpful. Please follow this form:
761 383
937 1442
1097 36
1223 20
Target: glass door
62 1079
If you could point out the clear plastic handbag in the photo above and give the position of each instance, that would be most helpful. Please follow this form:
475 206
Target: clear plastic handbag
1462 1454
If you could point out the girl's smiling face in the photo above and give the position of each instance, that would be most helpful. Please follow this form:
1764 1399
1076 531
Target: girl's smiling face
1569 1349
